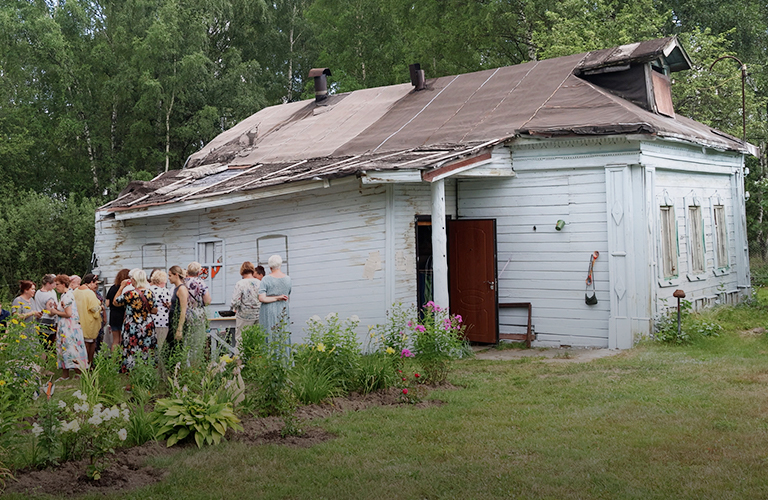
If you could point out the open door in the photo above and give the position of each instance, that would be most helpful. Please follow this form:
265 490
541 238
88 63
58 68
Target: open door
472 277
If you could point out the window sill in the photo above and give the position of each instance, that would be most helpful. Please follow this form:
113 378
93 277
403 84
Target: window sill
721 271
669 282
696 277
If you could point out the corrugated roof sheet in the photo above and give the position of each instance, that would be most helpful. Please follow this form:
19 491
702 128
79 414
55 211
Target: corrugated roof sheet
395 127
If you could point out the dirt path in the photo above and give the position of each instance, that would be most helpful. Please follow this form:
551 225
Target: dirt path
548 354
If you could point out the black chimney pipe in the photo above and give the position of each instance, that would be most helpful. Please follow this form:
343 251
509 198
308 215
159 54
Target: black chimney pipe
321 84
417 76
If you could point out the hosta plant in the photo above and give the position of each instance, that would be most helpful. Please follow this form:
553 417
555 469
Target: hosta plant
205 420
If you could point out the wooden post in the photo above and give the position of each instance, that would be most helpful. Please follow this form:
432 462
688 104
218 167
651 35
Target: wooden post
439 246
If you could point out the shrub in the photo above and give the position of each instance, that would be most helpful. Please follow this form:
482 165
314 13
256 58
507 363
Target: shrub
438 340
394 332
268 367
144 374
333 348
106 363
90 430
693 326
377 371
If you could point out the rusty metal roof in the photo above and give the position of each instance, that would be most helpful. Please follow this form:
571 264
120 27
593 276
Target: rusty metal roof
395 127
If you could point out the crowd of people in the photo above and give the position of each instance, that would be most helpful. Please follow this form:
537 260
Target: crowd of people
141 316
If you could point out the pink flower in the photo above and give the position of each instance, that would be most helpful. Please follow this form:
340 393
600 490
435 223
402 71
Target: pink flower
403 379
416 375
458 318
405 391
406 354
410 324
420 328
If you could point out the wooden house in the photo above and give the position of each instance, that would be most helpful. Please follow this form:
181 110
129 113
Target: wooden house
485 191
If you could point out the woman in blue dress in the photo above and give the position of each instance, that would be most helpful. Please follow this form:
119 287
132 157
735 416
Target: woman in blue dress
274 292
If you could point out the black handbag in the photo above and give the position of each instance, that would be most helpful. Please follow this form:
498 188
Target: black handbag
591 299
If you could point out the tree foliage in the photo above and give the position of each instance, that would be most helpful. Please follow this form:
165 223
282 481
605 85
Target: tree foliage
96 92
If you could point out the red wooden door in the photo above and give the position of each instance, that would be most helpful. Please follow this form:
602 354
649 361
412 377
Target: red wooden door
472 277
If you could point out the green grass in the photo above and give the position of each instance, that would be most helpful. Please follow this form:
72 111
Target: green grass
657 421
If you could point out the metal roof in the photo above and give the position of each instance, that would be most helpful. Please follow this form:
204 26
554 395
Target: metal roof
395 127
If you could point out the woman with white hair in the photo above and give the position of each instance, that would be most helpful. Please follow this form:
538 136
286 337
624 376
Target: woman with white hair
138 337
197 322
274 292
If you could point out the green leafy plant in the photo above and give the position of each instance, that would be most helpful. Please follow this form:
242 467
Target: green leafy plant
332 348
144 374
377 371
410 387
394 333
106 364
437 341
141 425
206 421
313 384
268 368
91 430
692 326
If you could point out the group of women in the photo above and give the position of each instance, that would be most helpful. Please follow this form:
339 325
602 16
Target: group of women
144 315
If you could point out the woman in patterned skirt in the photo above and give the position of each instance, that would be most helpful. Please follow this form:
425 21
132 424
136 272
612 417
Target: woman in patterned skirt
70 345
138 326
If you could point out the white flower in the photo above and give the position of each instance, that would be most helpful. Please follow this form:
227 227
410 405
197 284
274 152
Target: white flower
126 414
62 403
95 420
355 318
330 316
97 408
184 389
122 434
315 318
79 395
72 426
36 429
83 407
124 406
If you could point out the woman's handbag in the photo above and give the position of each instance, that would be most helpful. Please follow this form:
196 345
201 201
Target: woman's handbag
591 299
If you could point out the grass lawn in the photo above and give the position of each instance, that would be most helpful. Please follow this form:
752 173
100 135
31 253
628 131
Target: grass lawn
656 421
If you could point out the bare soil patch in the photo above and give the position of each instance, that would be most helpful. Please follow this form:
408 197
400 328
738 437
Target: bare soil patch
129 469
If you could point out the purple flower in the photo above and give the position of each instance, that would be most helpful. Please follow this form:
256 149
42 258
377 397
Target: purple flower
406 354
458 318
420 328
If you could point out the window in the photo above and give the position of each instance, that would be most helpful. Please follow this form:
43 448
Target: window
668 242
721 237
210 254
273 244
153 256
696 240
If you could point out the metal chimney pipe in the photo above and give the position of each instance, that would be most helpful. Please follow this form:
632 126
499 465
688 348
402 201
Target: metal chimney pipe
321 83
417 76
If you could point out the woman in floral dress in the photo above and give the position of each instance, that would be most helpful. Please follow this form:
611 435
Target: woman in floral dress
138 326
70 346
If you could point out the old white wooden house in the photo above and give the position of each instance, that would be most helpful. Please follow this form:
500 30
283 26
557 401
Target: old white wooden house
489 191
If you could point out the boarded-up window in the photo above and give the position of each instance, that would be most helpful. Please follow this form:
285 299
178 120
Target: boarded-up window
721 237
210 254
668 242
153 256
273 244
696 240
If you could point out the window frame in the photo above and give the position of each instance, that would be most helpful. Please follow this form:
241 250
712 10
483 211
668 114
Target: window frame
164 252
697 241
262 259
720 237
218 295
669 244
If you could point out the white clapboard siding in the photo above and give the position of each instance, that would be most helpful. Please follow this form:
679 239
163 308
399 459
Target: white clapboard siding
544 266
680 186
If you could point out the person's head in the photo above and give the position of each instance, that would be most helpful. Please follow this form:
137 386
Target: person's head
175 274
193 269
260 272
139 278
247 269
122 275
91 281
61 283
26 288
47 282
275 262
74 281
158 278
